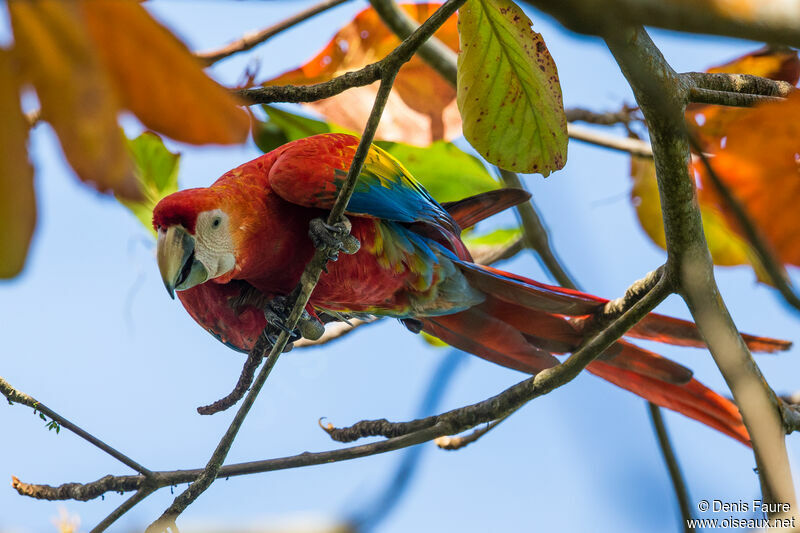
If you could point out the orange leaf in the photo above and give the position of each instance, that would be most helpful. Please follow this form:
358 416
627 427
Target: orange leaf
709 122
17 200
158 79
74 93
421 108
726 247
760 163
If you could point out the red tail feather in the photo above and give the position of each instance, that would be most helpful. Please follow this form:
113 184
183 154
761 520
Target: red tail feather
523 322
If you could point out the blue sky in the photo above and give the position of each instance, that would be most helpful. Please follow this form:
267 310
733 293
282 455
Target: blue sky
89 330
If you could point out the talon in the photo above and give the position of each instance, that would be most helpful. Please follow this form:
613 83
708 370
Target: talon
275 313
333 239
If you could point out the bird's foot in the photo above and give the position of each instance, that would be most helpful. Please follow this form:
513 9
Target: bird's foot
333 239
277 313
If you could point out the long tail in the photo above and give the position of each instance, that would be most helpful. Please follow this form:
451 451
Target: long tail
523 323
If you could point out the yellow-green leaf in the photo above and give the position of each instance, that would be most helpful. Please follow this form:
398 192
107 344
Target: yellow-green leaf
17 200
508 90
726 247
157 173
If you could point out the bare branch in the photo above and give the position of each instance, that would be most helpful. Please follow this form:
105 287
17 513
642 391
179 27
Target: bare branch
608 118
452 443
711 96
535 233
662 97
126 506
251 40
252 362
738 83
614 142
13 395
433 51
675 475
757 20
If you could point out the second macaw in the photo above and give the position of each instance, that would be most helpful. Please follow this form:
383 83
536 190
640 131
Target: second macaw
232 248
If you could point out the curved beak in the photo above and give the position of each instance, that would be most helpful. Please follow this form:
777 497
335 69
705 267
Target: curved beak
176 261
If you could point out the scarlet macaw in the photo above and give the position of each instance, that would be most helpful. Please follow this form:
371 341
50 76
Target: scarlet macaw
234 247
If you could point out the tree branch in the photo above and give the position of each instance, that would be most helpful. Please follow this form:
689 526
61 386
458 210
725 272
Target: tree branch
755 20
433 51
738 83
614 142
662 96
455 442
535 233
608 118
13 395
710 96
251 40
675 475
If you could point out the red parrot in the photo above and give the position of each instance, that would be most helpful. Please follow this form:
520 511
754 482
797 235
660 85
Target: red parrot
235 248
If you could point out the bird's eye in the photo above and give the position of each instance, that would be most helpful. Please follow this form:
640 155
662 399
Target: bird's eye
216 222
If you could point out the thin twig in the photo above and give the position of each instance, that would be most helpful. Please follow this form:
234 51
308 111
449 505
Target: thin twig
607 118
536 234
614 142
699 95
456 442
678 483
251 40
126 506
764 252
254 359
13 395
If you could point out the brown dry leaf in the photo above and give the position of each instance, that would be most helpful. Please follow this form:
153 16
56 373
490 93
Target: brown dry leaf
158 79
709 122
17 200
421 108
760 163
74 93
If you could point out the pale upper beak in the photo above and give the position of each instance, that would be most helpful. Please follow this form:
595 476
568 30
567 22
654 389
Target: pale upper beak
179 268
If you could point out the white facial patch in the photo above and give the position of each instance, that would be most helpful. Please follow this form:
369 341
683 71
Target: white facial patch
213 243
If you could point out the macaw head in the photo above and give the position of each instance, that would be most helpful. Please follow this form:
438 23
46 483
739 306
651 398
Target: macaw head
196 238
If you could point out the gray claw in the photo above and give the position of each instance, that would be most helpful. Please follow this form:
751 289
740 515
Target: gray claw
333 239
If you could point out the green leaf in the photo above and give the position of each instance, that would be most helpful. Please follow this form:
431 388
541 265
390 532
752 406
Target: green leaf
498 237
285 126
156 170
508 90
446 171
